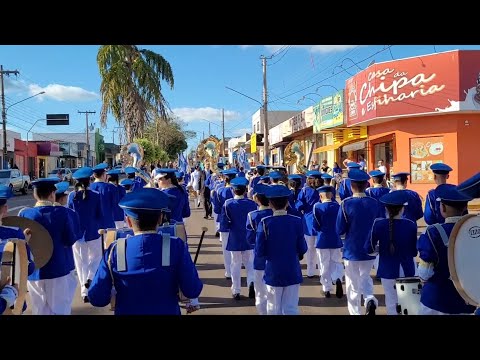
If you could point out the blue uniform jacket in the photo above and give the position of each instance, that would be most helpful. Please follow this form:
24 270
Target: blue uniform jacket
345 189
233 218
355 219
439 293
146 287
109 198
307 198
223 194
217 208
280 241
89 213
324 218
405 245
181 207
57 221
138 183
292 199
377 192
432 213
118 214
77 233
253 220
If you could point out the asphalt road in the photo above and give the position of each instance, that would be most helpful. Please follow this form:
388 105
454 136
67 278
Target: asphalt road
216 298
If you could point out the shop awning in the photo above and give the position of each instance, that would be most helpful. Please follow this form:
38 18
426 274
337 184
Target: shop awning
329 147
359 145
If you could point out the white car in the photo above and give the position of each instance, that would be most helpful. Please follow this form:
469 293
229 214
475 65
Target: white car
64 174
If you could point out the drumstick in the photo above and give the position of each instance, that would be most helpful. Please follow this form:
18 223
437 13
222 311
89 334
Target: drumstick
204 230
102 233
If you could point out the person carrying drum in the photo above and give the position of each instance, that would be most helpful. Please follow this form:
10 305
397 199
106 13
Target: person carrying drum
354 220
328 243
108 194
439 295
49 285
9 293
147 269
281 242
395 241
432 214
167 182
118 215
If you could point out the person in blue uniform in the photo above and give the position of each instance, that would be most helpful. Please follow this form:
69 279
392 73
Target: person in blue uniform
280 240
127 185
232 220
49 286
394 239
307 198
87 250
118 215
265 179
355 220
432 214
61 199
9 293
217 183
108 193
283 173
145 270
261 170
439 295
413 210
471 186
328 243
327 181
295 185
345 188
167 182
138 182
276 178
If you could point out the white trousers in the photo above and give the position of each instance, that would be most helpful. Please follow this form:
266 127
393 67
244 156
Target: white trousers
391 298
51 296
217 224
87 255
358 282
282 300
73 285
375 263
120 224
260 292
330 266
227 257
239 257
311 256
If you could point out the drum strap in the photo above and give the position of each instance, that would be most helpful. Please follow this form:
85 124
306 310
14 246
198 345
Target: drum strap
165 249
442 233
121 256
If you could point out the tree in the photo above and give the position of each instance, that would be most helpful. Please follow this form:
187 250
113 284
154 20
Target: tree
131 86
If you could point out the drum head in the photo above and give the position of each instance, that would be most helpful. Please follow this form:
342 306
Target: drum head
40 243
463 258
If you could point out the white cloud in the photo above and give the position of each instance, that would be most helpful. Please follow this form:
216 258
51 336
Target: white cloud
312 48
55 92
206 113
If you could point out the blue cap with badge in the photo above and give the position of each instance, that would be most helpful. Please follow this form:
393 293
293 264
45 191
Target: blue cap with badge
220 165
440 168
278 191
401 176
326 176
325 189
239 182
83 173
376 173
160 173
99 168
5 194
295 177
126 183
314 174
144 201
114 172
275 175
260 189
179 174
45 183
357 175
471 186
395 198
450 195
353 165
62 187
130 170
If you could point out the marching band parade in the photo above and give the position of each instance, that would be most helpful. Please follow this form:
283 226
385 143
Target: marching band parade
125 245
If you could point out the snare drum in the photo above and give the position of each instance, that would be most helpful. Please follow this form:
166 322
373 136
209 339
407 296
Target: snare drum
409 290
115 234
176 229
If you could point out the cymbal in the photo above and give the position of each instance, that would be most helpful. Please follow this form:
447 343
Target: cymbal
40 243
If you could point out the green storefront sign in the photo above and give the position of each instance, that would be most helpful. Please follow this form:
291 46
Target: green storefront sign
328 112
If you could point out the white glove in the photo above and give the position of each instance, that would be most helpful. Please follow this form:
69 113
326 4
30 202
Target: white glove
9 294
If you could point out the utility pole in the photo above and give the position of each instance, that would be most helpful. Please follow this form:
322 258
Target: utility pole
265 112
4 112
88 140
223 133
209 133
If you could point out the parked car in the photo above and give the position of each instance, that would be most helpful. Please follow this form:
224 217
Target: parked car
64 174
15 180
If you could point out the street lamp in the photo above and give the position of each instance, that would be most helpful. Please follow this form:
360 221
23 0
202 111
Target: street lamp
4 123
28 162
210 122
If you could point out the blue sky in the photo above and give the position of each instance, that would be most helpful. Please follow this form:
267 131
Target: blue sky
69 76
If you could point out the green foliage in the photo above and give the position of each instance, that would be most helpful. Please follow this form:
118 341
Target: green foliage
149 154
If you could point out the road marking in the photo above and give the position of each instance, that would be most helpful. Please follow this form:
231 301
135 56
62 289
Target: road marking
16 208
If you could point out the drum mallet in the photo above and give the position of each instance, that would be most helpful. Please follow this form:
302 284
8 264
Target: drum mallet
204 230
102 233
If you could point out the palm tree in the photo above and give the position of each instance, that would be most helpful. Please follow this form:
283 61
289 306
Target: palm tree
131 86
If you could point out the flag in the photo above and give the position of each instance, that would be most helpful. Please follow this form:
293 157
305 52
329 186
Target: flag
242 159
182 162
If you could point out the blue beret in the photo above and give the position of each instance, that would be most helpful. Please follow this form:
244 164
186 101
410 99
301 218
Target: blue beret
275 175
5 194
260 189
239 181
231 173
179 174
440 168
83 173
45 182
159 173
327 176
325 189
114 172
358 175
126 182
396 198
130 170
314 173
261 167
448 193
295 176
62 187
400 176
278 191
100 167
353 165
279 168
220 164
241 174
471 187
144 201
265 177
376 173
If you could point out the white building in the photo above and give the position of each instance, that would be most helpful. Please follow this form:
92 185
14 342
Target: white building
78 138
274 118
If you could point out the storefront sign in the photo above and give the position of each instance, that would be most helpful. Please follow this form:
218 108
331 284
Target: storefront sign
253 143
328 112
428 84
423 153
275 134
301 121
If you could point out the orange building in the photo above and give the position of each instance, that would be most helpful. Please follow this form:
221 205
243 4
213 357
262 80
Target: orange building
420 111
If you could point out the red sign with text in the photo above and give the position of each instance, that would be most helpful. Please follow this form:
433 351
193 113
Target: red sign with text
436 83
